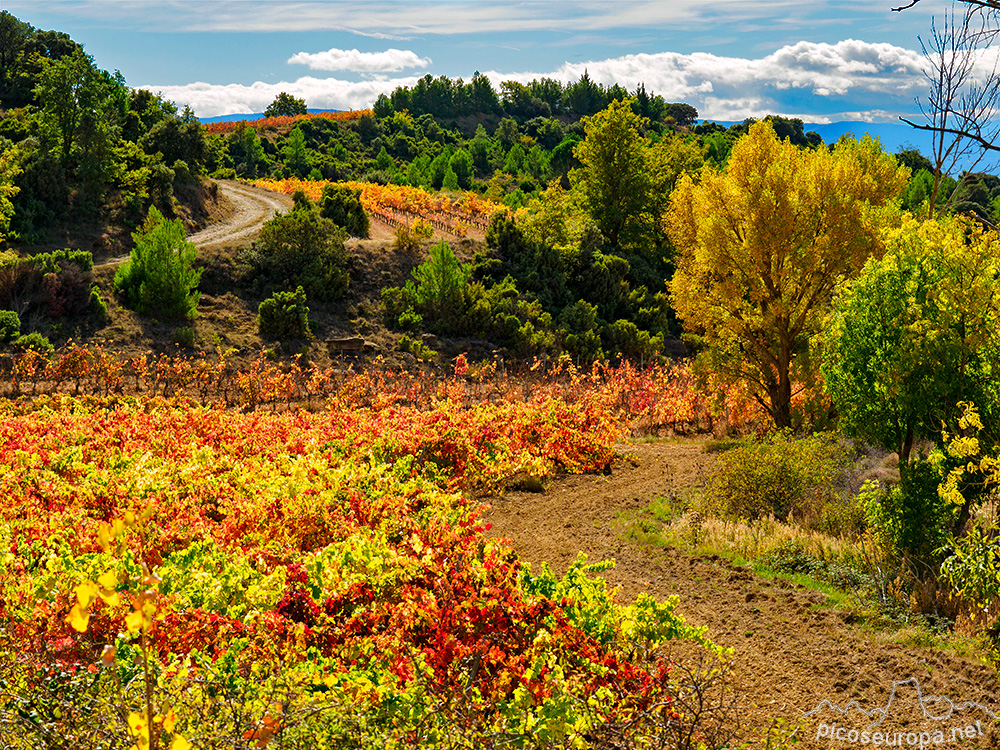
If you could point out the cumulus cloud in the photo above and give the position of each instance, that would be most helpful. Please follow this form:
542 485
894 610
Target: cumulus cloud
209 100
814 81
390 61
806 79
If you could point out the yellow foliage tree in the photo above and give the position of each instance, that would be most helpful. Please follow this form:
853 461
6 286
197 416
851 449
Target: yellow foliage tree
762 243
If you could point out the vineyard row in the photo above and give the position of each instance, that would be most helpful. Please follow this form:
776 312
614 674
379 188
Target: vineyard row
654 399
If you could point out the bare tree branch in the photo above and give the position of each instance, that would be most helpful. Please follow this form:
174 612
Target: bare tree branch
953 131
963 98
994 4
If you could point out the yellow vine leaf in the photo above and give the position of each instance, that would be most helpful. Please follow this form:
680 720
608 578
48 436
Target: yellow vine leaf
109 580
104 537
139 729
78 618
133 621
86 593
179 743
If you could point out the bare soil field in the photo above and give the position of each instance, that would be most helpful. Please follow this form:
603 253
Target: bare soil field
791 649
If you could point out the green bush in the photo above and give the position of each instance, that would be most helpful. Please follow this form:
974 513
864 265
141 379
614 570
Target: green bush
435 294
624 338
10 326
301 248
159 278
183 337
973 568
781 476
97 305
342 205
284 316
56 260
581 338
910 521
36 342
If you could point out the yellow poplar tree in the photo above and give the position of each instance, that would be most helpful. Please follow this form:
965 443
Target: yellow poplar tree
762 243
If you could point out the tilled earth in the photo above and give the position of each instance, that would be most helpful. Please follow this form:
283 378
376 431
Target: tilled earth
792 650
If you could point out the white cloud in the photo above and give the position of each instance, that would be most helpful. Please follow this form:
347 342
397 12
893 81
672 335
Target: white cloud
390 18
809 80
209 100
390 61
809 75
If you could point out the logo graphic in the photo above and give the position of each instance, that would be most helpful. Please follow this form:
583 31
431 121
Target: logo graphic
965 720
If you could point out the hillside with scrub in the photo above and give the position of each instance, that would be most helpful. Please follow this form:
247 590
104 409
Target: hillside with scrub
541 417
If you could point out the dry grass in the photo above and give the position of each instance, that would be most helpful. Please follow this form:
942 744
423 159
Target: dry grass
752 541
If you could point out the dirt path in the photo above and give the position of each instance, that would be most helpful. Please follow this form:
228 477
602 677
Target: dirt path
791 652
253 207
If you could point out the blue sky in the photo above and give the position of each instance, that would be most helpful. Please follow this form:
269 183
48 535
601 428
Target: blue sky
821 60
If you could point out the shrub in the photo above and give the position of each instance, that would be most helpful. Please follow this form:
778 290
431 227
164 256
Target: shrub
910 521
57 260
159 277
183 337
98 307
36 342
973 568
301 248
780 476
791 557
342 205
406 240
579 321
417 348
10 326
284 316
624 338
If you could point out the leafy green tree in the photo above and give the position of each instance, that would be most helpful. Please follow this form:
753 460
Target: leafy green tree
384 162
160 278
479 150
916 333
284 316
301 248
514 163
437 170
14 36
342 205
74 98
246 152
585 97
285 105
177 139
614 178
681 114
761 244
461 165
439 282
295 153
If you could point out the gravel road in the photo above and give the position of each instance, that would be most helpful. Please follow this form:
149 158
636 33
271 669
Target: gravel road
253 207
